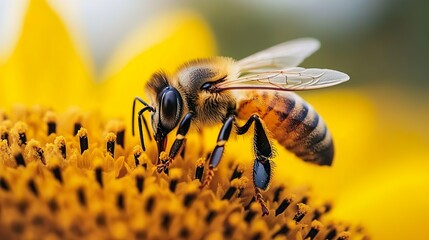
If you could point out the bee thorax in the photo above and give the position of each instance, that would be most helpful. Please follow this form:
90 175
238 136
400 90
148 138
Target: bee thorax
212 108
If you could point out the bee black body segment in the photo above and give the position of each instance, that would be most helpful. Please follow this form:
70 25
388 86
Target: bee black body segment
216 155
261 143
225 131
181 135
223 136
185 124
263 152
261 173
262 168
141 118
179 142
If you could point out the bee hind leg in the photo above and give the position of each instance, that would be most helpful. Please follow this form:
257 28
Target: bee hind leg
179 142
217 153
262 165
261 180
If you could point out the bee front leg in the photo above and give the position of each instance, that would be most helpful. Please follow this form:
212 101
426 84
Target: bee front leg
179 142
262 164
217 153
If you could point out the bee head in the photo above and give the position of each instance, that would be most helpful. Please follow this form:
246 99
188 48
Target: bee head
168 105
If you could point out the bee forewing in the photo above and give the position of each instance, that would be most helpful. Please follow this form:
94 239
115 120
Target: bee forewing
291 79
324 78
283 55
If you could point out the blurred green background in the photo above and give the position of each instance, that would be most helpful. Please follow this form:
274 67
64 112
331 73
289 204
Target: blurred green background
376 42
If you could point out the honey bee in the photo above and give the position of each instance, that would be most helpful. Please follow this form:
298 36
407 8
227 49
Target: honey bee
257 89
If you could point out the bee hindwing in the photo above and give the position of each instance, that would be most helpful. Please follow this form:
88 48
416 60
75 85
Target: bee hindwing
280 56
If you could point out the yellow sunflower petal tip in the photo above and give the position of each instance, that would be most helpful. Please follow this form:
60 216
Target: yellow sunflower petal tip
34 152
162 44
344 236
176 173
47 59
60 144
166 35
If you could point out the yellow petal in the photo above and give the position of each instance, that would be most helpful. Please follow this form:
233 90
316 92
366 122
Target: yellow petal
391 205
164 43
45 67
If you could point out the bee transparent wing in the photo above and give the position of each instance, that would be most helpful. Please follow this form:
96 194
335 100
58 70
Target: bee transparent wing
291 79
281 56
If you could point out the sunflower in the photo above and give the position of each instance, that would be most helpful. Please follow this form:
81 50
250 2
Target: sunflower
77 172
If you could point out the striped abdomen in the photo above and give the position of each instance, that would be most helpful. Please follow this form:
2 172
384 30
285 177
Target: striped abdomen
293 123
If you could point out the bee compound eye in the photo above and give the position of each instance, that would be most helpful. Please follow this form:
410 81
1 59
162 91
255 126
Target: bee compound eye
171 107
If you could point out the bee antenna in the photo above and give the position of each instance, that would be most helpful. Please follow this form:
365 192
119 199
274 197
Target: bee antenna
140 117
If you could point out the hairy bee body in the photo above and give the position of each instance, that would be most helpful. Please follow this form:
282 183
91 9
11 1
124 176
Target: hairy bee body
256 89
293 123
289 119
209 108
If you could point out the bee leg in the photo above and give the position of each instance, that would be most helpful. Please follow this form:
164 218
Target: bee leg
140 119
261 180
264 152
217 153
179 143
261 201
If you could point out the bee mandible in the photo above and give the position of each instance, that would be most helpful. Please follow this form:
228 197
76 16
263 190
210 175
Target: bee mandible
257 89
